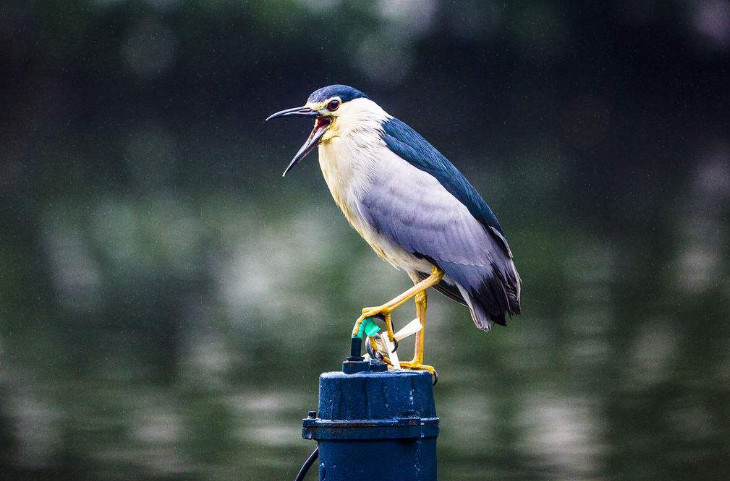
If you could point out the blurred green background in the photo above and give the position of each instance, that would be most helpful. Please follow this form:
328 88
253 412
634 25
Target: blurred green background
167 300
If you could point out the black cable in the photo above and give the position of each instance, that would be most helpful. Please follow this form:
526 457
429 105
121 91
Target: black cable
307 464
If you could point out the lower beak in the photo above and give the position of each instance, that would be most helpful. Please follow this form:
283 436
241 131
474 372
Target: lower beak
320 127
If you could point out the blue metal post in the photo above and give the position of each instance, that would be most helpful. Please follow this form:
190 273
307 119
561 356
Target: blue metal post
374 424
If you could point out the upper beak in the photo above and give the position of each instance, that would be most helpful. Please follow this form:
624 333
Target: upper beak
320 127
299 111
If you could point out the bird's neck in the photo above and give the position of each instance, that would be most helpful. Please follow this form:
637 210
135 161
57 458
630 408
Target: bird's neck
350 152
347 164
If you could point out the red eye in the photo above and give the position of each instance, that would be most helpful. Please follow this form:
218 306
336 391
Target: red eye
333 105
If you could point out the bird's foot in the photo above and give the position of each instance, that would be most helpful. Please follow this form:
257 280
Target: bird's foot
381 312
417 366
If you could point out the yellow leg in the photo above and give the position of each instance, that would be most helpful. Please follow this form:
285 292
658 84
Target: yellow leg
419 292
417 361
421 303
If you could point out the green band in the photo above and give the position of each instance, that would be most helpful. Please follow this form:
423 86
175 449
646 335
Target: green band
368 327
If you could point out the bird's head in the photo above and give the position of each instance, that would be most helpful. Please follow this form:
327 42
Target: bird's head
332 107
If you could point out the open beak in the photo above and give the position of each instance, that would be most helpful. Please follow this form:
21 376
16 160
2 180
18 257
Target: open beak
320 127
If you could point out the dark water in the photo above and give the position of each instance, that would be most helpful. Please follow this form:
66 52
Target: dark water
170 335
167 300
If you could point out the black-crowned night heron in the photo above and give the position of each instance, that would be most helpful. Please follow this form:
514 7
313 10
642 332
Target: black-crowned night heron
413 207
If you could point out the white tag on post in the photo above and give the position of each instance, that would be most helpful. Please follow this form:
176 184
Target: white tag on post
392 355
408 330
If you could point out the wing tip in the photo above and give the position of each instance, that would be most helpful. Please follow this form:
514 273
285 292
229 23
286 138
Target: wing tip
495 299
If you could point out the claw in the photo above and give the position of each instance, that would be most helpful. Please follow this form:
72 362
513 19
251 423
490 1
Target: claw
383 313
420 367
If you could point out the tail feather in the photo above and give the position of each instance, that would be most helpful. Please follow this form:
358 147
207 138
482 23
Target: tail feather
495 297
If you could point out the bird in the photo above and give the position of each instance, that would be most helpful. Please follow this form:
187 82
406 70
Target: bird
413 207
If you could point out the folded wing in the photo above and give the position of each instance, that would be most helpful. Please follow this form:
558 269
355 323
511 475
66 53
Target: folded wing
412 209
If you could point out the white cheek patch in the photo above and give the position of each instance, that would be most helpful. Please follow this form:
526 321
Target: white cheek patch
360 114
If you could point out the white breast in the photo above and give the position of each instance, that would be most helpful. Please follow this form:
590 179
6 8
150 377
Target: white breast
346 164
352 165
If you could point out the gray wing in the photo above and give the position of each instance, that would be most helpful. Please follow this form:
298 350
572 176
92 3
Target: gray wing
411 209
